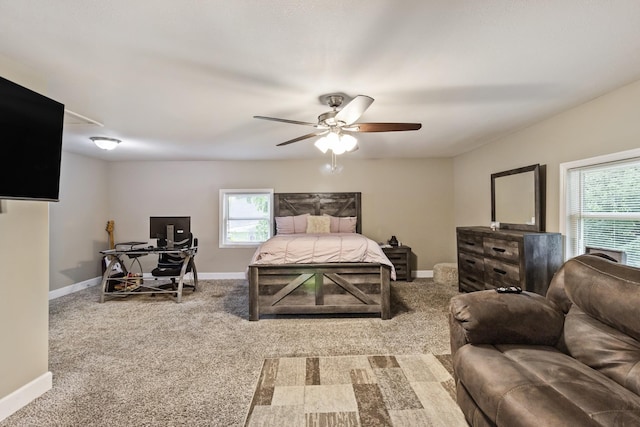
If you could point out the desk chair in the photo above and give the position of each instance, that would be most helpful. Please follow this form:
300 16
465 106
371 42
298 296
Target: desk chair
169 265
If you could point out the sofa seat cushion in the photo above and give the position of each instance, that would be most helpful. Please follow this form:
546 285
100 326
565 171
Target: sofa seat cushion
523 385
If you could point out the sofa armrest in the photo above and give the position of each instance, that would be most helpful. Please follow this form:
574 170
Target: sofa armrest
489 317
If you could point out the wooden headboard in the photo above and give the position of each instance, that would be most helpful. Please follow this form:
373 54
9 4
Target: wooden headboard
334 204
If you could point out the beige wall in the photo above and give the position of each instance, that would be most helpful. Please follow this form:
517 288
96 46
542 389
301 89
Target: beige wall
78 221
24 313
605 125
24 283
409 198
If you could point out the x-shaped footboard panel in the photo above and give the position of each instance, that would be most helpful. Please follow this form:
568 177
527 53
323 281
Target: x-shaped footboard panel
292 277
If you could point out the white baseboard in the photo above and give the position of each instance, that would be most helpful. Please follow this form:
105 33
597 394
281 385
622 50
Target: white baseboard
423 273
25 395
221 276
57 293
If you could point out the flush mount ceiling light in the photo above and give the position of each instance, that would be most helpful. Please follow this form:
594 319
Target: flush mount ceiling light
105 143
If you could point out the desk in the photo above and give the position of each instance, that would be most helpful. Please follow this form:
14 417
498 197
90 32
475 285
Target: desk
149 285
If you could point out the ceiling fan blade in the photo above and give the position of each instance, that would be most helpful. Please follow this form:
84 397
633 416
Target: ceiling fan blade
300 138
354 109
295 122
382 127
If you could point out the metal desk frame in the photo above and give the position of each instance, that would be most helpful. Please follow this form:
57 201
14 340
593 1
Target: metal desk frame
148 285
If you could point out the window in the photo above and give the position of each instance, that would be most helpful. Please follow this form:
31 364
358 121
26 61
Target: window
602 205
245 217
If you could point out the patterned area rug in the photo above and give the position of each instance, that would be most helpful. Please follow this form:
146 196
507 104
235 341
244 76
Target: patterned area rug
365 391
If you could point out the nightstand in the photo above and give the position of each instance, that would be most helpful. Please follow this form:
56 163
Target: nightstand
400 257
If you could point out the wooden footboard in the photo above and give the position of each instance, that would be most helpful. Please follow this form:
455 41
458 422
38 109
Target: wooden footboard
319 288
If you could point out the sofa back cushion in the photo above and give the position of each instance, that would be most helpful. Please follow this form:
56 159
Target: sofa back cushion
556 292
605 290
601 347
602 328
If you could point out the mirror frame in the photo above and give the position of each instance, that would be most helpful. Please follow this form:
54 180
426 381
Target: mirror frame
539 197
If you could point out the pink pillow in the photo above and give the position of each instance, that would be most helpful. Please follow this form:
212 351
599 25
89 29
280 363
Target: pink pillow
344 224
291 224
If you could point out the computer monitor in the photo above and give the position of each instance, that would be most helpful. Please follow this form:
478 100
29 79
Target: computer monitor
168 229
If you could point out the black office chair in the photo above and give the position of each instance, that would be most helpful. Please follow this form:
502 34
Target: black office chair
170 265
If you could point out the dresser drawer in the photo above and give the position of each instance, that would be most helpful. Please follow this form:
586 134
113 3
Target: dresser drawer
470 243
498 273
401 271
471 263
400 258
507 250
471 281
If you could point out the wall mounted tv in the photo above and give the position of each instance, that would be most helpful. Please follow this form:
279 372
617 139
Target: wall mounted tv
31 140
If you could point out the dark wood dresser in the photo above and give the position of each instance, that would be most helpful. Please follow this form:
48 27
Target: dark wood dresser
489 259
400 257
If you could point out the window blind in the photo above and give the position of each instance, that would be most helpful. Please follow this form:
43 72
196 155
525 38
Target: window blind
603 208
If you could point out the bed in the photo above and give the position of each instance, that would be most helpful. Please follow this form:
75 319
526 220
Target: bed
339 272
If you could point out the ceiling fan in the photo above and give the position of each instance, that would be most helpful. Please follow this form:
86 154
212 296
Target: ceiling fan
340 123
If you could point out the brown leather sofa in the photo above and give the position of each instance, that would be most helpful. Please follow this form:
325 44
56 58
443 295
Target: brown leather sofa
571 358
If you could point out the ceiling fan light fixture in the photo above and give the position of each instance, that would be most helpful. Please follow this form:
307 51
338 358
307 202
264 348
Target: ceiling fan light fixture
322 144
105 143
338 150
349 142
337 143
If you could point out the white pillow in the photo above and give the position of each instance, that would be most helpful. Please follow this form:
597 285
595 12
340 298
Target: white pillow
345 224
318 224
291 224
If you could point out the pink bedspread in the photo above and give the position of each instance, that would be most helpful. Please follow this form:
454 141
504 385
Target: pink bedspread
320 248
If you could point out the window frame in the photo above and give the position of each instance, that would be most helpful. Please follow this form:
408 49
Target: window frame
224 194
565 168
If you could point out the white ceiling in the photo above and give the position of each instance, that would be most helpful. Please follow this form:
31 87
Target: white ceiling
182 79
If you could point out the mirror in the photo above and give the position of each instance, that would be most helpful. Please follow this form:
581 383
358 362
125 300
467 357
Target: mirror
517 198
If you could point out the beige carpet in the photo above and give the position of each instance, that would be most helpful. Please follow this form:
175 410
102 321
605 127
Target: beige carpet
148 361
351 391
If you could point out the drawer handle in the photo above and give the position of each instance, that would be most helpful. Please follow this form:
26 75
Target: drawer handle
470 243
499 249
471 279
470 261
497 270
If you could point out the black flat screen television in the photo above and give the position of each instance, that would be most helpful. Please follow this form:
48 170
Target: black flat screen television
31 139
169 229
